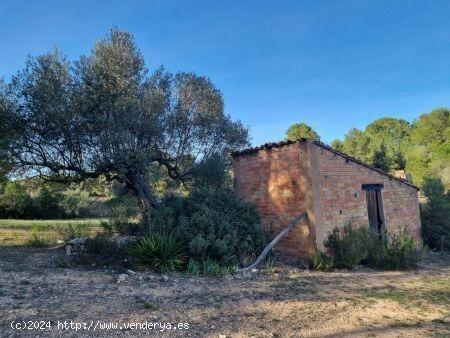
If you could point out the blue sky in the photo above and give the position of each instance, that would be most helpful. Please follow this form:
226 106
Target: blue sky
331 64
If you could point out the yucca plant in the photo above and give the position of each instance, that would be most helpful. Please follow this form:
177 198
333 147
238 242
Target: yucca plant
159 251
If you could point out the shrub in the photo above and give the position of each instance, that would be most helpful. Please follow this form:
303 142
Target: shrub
212 268
35 239
392 252
361 246
101 250
47 204
73 230
321 262
215 225
160 251
193 267
123 210
350 248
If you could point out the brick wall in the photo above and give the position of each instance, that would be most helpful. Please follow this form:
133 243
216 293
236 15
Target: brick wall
341 199
286 181
277 182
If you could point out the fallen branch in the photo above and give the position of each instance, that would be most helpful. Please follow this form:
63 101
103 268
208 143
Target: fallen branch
270 246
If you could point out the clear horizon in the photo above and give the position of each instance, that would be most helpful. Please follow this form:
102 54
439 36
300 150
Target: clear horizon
333 65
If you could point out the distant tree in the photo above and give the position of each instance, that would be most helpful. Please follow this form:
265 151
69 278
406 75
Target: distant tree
104 116
356 144
301 130
338 145
435 215
380 159
428 152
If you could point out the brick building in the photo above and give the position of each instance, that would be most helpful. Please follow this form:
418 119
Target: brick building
284 179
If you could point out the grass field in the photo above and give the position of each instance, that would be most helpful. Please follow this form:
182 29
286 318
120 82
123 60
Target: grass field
45 232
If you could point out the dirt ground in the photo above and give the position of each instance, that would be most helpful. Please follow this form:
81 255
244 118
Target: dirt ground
292 302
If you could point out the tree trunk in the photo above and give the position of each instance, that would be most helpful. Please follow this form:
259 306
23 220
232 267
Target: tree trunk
138 185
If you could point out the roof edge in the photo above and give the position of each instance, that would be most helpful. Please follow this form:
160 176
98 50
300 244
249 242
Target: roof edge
268 146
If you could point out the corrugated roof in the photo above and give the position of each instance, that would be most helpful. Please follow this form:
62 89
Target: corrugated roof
268 146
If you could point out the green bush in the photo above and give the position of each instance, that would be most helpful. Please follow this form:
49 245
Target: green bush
361 246
101 251
349 248
215 225
122 212
321 262
212 268
160 251
392 252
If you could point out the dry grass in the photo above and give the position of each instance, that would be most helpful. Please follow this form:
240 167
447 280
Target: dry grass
22 232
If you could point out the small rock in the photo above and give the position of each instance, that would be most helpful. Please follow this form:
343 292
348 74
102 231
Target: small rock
212 327
165 278
254 271
131 272
121 278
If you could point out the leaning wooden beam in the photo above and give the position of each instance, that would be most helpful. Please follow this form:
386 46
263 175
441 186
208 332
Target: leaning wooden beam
273 243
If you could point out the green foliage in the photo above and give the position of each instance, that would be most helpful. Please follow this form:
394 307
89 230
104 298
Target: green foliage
349 248
160 251
15 202
428 152
35 239
48 204
352 247
149 305
100 244
70 231
301 130
106 115
380 159
321 261
212 268
392 252
435 215
214 223
193 267
421 148
213 172
122 212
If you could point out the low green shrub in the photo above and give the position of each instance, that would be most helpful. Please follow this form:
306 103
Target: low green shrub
392 252
160 251
353 247
193 267
215 225
35 240
321 262
212 268
70 231
100 244
349 248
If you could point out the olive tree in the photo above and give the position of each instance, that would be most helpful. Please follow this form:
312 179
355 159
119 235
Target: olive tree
106 115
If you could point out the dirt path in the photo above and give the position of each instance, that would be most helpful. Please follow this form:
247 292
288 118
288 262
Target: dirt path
290 303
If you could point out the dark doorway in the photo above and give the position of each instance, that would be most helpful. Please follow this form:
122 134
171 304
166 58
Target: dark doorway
374 206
